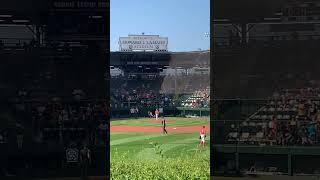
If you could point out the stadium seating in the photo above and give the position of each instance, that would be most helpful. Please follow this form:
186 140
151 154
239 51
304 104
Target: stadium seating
159 91
43 86
296 120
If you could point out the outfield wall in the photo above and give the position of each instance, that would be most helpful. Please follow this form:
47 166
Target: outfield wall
45 162
170 111
288 160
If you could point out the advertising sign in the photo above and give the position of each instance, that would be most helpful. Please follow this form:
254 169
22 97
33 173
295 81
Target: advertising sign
72 155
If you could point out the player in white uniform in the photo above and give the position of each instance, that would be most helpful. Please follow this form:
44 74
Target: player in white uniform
157 113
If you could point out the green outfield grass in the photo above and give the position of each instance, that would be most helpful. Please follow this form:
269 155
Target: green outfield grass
141 145
171 121
266 177
158 156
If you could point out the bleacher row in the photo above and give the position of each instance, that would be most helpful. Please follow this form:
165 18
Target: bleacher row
283 120
198 99
42 76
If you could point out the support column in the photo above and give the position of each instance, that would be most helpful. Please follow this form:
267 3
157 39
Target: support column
175 80
244 32
237 161
38 35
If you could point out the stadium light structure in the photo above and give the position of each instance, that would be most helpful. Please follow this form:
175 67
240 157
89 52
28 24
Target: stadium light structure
95 17
20 21
5 16
207 35
221 20
271 19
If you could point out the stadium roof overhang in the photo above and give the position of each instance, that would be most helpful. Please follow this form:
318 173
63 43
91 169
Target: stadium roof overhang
19 12
26 12
176 59
226 11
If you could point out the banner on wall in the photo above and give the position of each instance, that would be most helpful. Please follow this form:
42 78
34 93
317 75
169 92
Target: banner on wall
143 43
80 4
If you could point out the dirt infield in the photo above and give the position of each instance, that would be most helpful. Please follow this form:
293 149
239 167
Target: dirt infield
124 128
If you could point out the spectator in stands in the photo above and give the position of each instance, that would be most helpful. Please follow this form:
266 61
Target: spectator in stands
136 111
20 136
103 132
317 116
273 127
132 111
301 110
2 138
150 114
312 131
303 134
288 138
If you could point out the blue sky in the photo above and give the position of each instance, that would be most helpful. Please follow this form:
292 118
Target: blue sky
184 22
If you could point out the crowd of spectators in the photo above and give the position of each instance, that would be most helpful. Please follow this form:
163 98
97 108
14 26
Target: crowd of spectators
290 117
141 94
80 121
200 98
153 93
50 102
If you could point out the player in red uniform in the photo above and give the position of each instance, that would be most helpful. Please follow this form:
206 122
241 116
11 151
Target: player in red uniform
202 136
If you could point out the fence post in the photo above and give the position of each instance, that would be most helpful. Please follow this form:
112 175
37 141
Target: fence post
237 162
290 165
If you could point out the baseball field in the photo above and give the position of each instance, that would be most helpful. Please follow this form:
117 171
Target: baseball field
140 150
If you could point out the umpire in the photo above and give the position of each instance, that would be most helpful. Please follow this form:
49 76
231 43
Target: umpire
164 123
